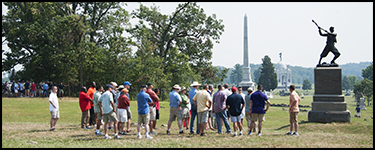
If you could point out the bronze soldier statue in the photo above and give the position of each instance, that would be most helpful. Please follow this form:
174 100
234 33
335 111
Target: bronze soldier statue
330 47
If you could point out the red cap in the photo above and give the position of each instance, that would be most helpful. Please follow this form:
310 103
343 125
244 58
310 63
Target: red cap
234 89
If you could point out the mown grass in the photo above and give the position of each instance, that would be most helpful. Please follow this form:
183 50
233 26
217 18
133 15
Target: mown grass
27 119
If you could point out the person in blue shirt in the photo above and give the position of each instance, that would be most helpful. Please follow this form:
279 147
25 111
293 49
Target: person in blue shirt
257 110
194 112
45 89
358 109
175 110
143 100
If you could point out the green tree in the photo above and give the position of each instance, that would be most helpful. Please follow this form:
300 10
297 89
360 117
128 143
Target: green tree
257 74
306 85
268 77
236 74
187 32
348 82
368 72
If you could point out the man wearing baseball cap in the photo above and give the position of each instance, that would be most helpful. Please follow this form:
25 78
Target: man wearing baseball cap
127 85
233 103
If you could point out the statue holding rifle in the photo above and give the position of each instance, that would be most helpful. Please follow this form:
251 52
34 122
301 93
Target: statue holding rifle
330 47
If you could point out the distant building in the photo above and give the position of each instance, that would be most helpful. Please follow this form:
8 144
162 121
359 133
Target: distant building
284 75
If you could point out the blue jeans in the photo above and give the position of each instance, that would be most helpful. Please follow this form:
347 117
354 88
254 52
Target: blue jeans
192 119
222 115
45 93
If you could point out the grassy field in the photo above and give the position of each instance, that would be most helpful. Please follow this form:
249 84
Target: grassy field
25 123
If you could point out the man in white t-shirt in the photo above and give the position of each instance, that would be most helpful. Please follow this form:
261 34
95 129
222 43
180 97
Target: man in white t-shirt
53 108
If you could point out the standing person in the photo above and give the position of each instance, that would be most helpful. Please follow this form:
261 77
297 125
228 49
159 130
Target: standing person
293 110
152 106
157 91
53 108
98 114
33 89
84 104
127 85
227 92
235 108
21 89
106 106
39 87
45 89
17 89
247 109
27 88
209 121
219 100
143 101
257 111
90 93
123 103
193 110
184 106
358 110
114 92
200 100
175 108
61 90
243 110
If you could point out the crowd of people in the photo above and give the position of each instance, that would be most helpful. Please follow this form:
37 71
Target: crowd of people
110 106
26 88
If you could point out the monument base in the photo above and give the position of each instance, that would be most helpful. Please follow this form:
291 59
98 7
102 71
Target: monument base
245 86
324 116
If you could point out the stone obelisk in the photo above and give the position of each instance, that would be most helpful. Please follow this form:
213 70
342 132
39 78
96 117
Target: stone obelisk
246 75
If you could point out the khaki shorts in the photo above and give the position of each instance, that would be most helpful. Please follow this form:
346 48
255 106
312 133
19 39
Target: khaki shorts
202 117
55 114
110 117
144 118
255 117
174 112
185 112
293 117
152 113
122 115
99 116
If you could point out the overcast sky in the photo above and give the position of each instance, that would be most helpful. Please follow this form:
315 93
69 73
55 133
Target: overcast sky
287 28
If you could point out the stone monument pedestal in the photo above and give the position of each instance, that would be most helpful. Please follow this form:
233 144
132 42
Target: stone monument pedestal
328 102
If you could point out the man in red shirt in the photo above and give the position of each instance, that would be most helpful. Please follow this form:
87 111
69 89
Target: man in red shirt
90 93
123 103
33 89
84 103
152 106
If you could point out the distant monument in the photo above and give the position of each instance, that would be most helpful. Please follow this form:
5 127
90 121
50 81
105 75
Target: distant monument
284 75
328 102
246 75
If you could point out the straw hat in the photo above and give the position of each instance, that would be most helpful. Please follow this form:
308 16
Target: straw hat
176 86
195 83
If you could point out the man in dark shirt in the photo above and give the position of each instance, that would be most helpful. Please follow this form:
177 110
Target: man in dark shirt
233 103
257 110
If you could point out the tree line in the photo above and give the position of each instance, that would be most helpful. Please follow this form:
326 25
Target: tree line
81 42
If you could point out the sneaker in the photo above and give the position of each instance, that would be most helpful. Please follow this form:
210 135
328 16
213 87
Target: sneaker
249 133
139 136
289 133
234 135
117 137
181 132
153 133
122 133
240 133
259 134
107 137
228 132
98 133
52 129
149 137
296 133
203 134
168 132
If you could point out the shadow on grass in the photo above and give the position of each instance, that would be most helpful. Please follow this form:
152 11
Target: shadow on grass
39 131
302 122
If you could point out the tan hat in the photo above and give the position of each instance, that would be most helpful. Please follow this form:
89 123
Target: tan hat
113 83
183 88
120 87
195 83
176 86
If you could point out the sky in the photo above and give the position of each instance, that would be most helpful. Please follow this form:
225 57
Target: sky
286 27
